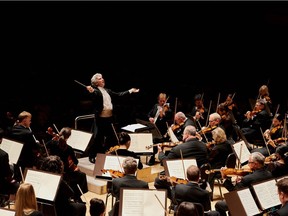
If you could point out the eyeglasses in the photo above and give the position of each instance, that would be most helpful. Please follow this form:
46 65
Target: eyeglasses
251 162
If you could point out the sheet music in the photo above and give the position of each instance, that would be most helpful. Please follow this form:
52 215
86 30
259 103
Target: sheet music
267 194
175 167
244 154
7 212
139 141
45 184
133 127
12 148
173 138
248 202
137 202
79 140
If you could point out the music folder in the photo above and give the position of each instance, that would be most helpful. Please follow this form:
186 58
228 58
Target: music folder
150 128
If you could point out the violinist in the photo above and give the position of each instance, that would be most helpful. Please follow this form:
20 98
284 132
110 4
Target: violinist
199 112
72 174
192 192
272 135
256 119
278 167
181 122
161 115
128 180
227 121
214 121
264 94
218 153
123 148
190 148
259 173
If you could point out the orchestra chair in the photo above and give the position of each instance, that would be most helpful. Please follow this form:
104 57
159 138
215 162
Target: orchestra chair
4 200
230 163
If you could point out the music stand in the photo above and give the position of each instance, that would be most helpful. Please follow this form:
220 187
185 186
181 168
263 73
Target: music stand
150 128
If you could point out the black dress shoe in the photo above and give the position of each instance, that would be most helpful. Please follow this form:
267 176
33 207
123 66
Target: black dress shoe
92 160
151 161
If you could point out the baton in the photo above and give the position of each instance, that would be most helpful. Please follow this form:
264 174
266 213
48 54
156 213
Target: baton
80 83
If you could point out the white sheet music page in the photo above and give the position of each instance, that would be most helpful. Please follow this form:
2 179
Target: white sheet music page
267 194
175 167
244 154
45 184
173 138
137 202
12 148
139 142
133 127
248 202
79 139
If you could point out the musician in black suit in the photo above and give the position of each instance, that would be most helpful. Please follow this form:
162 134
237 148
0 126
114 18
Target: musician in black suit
7 184
31 151
192 192
282 186
129 180
191 148
259 173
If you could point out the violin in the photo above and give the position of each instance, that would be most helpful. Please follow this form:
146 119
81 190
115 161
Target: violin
270 158
113 173
113 149
207 129
211 144
53 134
250 114
174 127
174 179
231 171
165 144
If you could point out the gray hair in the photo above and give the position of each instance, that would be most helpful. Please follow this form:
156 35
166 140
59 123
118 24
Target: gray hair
94 78
180 115
219 135
258 157
190 129
215 116
130 165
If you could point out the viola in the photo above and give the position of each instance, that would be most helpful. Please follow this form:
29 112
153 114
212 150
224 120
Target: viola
231 171
270 158
174 127
113 173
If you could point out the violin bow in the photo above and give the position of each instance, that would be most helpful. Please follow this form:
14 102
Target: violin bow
276 112
218 100
45 148
176 99
115 132
82 194
121 168
203 133
185 177
207 118
56 128
266 143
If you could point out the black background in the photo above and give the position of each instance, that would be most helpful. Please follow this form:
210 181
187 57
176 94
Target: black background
181 48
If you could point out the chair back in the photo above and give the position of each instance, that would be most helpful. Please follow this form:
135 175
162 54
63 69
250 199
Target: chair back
231 160
203 169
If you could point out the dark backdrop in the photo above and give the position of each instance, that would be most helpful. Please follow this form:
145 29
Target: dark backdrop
182 48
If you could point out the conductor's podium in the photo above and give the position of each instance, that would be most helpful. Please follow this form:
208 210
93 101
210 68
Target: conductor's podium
98 185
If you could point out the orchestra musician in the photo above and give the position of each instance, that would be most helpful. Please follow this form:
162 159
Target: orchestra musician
123 148
272 136
214 121
199 112
256 119
259 173
128 180
181 122
218 154
282 186
192 192
72 174
31 151
161 115
278 167
191 147
265 95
